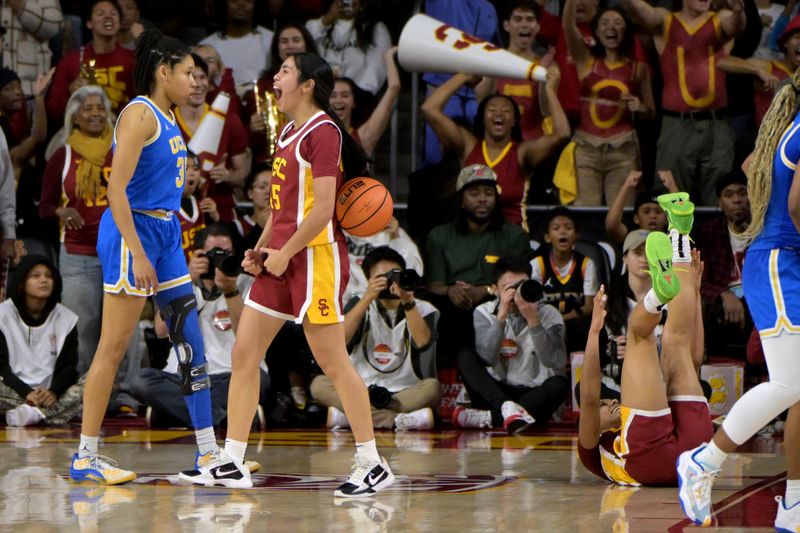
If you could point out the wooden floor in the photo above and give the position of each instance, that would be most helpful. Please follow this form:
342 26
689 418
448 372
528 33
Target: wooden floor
447 481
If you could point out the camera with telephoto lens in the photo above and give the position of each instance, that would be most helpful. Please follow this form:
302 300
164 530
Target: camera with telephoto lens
379 396
529 289
219 259
408 280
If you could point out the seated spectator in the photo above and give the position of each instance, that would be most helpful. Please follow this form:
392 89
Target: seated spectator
256 186
220 301
616 91
569 279
496 140
233 156
38 349
291 38
392 236
460 258
647 214
242 44
391 338
130 28
193 213
726 316
520 21
74 192
344 101
102 62
220 78
768 71
353 42
516 376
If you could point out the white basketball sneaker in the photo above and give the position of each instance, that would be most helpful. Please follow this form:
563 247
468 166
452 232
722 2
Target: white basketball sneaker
366 479
788 520
419 419
464 417
337 419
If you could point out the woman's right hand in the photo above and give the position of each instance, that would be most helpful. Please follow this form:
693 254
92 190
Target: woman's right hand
252 262
257 122
70 217
599 311
144 274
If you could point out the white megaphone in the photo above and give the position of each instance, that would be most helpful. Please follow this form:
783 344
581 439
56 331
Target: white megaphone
205 141
429 45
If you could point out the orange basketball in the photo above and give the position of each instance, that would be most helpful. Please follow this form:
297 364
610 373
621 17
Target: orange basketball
363 207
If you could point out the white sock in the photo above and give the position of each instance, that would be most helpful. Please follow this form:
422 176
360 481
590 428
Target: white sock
88 446
368 450
651 302
206 440
235 450
681 247
792 493
711 457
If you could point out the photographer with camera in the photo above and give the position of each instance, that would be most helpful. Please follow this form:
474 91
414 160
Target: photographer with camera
391 338
518 375
219 288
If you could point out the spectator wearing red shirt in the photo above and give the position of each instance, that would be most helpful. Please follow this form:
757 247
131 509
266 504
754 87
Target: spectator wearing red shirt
233 156
74 192
113 67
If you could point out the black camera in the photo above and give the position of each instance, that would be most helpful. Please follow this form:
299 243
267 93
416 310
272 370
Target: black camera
379 396
219 259
408 280
529 289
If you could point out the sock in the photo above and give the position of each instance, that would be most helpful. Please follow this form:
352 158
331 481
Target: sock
88 446
206 440
792 493
651 302
710 457
235 450
681 247
368 450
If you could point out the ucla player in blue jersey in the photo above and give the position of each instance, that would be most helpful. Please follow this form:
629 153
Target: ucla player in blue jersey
771 280
139 245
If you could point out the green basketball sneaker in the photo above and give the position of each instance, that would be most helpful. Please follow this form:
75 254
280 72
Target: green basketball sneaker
679 209
658 249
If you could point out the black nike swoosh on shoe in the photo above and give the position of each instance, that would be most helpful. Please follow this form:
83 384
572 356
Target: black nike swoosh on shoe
663 265
219 473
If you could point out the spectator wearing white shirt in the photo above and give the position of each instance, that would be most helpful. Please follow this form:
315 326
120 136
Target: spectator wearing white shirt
353 42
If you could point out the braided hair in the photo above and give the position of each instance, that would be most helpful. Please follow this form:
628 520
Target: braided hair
154 49
759 185
313 67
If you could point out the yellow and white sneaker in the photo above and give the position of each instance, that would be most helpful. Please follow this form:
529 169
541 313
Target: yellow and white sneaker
98 469
788 520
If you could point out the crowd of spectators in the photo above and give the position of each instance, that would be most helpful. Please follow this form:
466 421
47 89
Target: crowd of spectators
635 103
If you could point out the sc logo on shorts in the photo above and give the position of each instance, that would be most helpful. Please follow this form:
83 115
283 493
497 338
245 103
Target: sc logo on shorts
322 305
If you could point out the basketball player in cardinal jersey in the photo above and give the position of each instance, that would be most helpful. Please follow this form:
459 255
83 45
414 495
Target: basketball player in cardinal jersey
304 274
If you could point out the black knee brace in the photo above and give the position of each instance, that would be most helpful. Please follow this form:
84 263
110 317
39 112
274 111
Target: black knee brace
175 314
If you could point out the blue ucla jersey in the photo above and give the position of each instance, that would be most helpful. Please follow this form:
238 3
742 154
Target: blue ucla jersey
158 180
779 231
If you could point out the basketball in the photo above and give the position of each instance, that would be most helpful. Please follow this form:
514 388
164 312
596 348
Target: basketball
363 207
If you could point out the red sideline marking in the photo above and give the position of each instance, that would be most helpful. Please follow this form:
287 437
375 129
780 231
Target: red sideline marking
753 506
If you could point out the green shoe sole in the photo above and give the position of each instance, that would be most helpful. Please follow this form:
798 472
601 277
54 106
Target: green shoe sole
680 211
658 250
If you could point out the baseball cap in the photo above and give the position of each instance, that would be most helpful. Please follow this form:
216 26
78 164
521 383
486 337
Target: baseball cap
793 26
634 239
472 174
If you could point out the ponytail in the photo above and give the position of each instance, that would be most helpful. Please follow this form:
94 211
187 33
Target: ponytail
313 67
759 183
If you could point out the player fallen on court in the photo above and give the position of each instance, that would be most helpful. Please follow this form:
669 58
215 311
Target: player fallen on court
304 273
662 411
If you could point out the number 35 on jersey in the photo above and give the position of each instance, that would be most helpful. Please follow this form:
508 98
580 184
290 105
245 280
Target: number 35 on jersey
177 146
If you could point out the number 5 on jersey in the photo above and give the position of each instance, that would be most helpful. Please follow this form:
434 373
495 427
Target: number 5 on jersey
274 198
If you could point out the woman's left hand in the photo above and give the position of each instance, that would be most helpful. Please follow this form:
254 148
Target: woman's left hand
276 262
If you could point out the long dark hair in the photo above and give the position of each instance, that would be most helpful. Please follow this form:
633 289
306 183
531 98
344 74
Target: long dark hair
364 25
313 67
479 128
275 59
626 44
154 49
